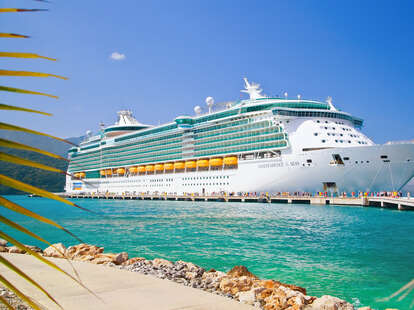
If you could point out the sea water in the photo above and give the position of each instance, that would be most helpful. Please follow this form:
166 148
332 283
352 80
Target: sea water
360 254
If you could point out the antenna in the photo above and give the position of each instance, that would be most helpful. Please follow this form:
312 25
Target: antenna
286 95
299 96
210 103
197 110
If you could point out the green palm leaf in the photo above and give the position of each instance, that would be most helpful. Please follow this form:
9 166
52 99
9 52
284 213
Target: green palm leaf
10 182
17 270
24 55
19 146
12 35
25 162
29 73
14 108
23 91
4 126
18 292
4 302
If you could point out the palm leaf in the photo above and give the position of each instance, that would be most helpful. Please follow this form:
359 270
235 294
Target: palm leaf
10 182
19 146
4 126
24 55
21 246
17 270
23 91
14 108
12 35
29 73
4 302
18 292
10 10
25 162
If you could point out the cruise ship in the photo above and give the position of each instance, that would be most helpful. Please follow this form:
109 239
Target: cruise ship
261 144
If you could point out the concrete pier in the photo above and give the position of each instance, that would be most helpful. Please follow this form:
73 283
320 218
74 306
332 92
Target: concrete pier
399 203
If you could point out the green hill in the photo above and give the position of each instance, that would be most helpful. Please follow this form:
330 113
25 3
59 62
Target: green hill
47 180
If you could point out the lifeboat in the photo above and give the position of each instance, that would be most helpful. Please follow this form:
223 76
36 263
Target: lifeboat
231 160
179 165
102 172
108 172
149 168
216 162
77 175
190 164
202 163
159 167
82 175
141 169
133 170
120 171
169 166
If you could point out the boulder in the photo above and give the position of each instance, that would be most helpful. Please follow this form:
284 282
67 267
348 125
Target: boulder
276 284
238 271
15 249
248 297
35 249
56 250
3 242
160 262
235 285
101 260
327 302
76 252
120 258
133 260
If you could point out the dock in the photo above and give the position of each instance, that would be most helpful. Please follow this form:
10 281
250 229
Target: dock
400 203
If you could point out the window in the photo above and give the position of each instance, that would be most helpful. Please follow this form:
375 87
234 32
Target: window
315 134
323 141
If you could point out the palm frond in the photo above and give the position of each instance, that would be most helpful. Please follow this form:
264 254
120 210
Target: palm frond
4 302
13 10
18 271
19 293
24 55
14 108
10 182
24 91
26 162
20 146
13 35
29 73
4 126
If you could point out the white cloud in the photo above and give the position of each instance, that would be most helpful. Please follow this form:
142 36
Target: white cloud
117 56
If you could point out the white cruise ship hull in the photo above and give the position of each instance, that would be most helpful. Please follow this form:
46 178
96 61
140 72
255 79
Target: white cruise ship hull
365 168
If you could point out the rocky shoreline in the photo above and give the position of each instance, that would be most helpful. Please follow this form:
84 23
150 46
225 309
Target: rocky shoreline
238 283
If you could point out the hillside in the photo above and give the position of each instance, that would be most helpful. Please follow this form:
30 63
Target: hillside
47 180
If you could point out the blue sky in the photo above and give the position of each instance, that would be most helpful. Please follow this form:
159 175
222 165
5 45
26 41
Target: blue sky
179 52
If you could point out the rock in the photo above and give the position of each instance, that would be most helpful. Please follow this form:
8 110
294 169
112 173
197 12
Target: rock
35 249
15 249
238 271
236 285
212 270
276 284
56 250
120 258
248 297
3 249
101 260
160 262
327 302
77 251
3 242
133 260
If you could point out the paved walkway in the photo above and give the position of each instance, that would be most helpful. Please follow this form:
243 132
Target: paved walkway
118 289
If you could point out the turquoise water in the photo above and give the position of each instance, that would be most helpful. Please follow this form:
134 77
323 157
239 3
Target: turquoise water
360 254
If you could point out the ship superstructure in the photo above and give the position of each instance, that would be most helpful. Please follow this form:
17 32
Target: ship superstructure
261 144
